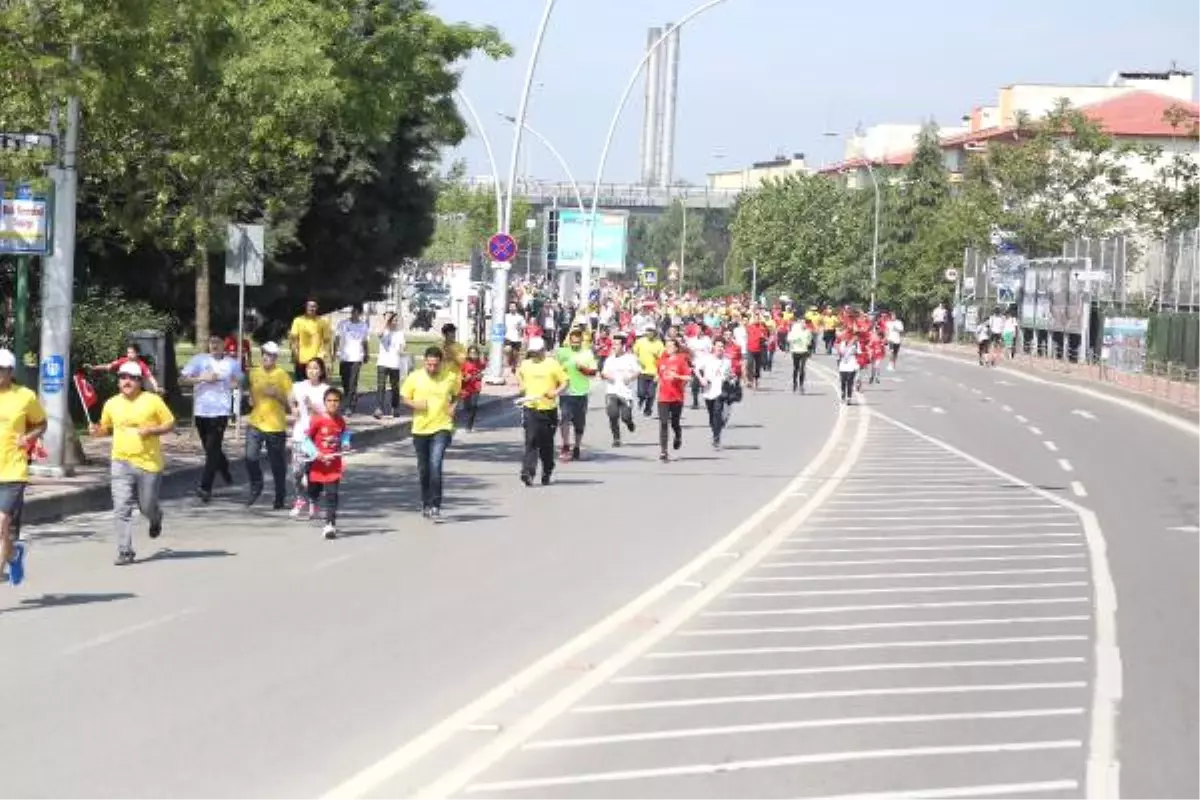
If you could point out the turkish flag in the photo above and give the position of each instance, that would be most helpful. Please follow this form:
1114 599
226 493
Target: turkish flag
87 392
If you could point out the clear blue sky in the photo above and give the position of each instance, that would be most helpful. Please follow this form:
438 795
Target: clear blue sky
758 77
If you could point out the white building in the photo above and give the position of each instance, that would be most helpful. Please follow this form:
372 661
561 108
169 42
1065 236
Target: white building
739 180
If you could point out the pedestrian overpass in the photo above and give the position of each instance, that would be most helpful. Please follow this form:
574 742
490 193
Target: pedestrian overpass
630 196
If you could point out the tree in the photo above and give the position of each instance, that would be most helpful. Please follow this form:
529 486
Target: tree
466 217
660 241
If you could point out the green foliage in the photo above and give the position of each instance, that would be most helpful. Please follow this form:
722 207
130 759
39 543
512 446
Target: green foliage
660 241
466 217
292 113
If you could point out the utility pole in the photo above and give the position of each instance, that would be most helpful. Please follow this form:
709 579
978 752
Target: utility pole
754 283
58 280
682 242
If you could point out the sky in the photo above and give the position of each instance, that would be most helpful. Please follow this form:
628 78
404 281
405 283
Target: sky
763 77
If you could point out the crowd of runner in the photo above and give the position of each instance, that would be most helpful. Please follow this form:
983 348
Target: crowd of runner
652 354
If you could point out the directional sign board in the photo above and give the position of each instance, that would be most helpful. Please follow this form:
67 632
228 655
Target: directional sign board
650 276
25 219
502 247
244 249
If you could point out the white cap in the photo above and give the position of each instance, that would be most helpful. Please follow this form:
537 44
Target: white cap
130 368
7 359
270 348
536 344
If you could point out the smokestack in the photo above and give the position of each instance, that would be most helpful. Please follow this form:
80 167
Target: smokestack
670 70
650 125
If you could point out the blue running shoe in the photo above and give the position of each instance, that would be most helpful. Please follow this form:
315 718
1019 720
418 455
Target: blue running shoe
16 564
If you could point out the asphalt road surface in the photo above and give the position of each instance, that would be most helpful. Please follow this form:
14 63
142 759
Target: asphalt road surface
963 587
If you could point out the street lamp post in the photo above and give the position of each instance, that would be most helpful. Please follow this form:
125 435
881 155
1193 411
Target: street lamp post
487 145
500 269
874 239
562 162
586 277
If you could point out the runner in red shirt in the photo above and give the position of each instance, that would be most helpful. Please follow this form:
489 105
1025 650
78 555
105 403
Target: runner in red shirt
673 374
472 384
877 349
756 335
327 432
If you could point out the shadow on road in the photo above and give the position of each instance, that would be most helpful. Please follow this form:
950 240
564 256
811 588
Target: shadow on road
60 600
184 555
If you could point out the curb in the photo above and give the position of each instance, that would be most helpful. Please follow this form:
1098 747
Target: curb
177 483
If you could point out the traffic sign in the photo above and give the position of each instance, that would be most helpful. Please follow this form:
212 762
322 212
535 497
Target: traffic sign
952 274
502 247
53 374
650 276
244 254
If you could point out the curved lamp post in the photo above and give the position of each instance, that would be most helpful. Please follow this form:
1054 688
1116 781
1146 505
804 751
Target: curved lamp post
562 162
487 145
586 278
495 374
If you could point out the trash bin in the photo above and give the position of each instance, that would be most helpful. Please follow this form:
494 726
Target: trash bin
158 348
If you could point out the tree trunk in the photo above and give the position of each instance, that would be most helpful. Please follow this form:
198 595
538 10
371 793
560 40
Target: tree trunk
203 298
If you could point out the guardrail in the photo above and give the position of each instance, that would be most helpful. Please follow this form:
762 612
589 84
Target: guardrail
618 195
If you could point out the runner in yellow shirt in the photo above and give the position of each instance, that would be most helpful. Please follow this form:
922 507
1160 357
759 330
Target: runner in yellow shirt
136 419
311 336
541 380
22 421
267 424
432 394
648 349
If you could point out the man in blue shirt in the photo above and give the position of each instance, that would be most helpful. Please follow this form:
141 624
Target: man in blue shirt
212 376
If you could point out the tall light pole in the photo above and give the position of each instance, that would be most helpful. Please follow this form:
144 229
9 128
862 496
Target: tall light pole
562 162
874 239
487 145
499 268
586 277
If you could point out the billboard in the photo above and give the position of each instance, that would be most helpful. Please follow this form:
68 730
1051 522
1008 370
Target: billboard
1053 298
24 219
609 248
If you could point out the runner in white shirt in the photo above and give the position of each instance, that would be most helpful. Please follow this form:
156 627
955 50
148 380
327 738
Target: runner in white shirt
514 333
895 334
350 343
308 397
698 346
845 350
714 369
983 335
620 374
391 367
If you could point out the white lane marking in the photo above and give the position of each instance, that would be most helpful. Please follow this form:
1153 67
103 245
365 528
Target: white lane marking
902 589
768 763
407 754
516 734
840 669
948 494
781 612
933 537
1103 768
1186 528
956 526
1081 413
871 626
1006 409
794 725
948 487
979 790
938 410
976 391
717 700
1035 430
1077 489
890 575
1065 465
1021 419
1027 515
1051 446
830 648
1003 507
121 633
835 563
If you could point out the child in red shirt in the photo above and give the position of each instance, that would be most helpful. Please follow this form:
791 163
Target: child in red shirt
472 384
673 374
329 438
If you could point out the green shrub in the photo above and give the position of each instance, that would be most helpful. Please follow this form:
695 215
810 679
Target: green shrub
100 326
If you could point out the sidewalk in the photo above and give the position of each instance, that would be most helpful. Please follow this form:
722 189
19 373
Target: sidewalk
1178 397
87 490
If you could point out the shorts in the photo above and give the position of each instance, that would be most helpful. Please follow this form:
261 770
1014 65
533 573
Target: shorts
573 411
983 347
12 497
996 338
1008 339
894 347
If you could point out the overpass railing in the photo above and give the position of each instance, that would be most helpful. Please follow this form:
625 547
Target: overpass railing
618 195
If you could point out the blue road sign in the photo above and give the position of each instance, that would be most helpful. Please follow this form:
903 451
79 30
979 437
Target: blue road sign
497 331
53 374
502 247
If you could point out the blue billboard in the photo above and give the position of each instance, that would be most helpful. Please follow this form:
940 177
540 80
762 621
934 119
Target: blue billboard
609 247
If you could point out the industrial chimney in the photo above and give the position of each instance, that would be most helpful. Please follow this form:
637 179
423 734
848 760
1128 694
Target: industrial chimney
670 86
651 125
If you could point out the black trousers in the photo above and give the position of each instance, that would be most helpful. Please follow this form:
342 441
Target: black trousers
276 446
331 498
716 417
670 415
349 370
212 434
847 381
646 389
799 365
619 411
387 390
539 441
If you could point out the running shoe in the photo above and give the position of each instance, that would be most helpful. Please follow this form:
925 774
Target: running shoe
124 557
678 443
526 479
329 531
16 564
155 529
298 509
435 514
575 453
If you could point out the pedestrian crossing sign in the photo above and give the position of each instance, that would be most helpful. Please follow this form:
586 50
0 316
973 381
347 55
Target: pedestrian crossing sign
649 276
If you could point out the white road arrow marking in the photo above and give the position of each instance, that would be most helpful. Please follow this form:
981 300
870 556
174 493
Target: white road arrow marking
1186 528
1079 412
1005 383
938 410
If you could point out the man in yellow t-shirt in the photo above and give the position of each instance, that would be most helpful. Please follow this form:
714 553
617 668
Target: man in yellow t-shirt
311 336
541 380
267 424
453 353
136 419
648 349
432 394
22 421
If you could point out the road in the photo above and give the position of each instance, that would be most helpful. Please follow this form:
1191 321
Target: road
916 594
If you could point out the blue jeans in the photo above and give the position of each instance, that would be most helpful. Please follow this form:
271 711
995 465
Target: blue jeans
431 452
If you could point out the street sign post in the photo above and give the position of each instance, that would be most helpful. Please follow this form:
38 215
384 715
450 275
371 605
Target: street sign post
244 256
26 230
952 274
650 276
502 248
